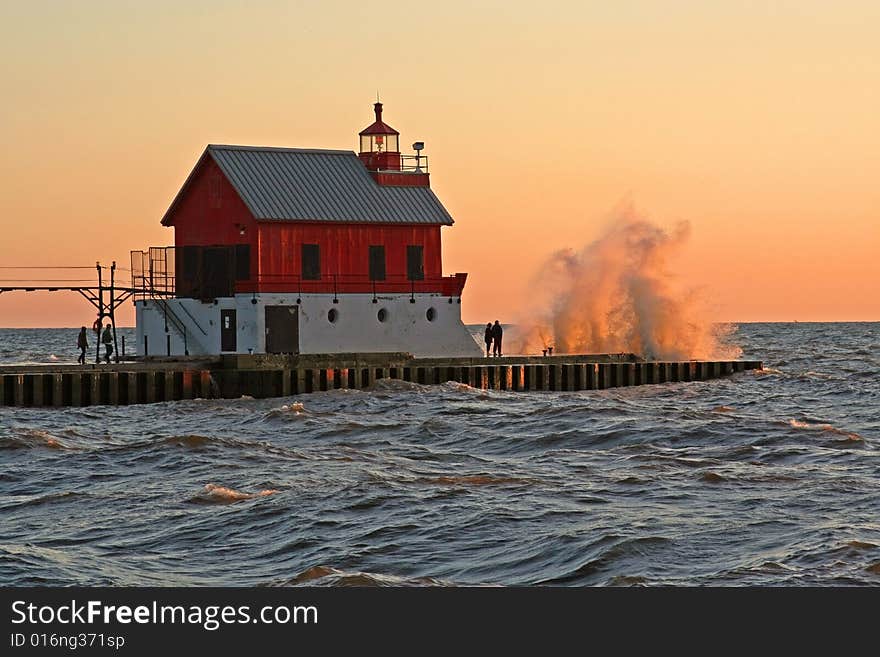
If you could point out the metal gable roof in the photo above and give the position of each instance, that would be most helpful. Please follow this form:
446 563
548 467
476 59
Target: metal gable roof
293 184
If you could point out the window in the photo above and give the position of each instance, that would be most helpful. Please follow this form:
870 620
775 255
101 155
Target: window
415 263
382 315
377 263
242 262
332 315
311 262
431 315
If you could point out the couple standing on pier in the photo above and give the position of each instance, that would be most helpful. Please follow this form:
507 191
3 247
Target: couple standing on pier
493 335
82 341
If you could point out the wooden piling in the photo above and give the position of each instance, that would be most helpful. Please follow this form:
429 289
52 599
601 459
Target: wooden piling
604 376
113 384
169 389
95 389
57 389
36 386
109 385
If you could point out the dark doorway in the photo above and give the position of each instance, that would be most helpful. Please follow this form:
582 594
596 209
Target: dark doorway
217 273
282 329
228 331
415 263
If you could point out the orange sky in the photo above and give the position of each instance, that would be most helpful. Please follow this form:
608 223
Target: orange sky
755 121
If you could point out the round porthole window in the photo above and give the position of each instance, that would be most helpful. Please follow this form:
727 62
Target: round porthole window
431 314
332 315
382 315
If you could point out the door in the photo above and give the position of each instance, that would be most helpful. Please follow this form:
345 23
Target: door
228 330
282 329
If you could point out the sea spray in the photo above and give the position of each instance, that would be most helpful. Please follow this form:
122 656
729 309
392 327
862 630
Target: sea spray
617 295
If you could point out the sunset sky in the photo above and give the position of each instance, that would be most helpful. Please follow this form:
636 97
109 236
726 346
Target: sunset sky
755 121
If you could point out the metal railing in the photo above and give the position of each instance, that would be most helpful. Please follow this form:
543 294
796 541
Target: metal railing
414 163
153 276
153 272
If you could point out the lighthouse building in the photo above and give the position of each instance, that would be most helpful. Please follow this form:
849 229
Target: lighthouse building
288 250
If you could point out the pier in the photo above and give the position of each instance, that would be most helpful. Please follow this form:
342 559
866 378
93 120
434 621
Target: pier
265 376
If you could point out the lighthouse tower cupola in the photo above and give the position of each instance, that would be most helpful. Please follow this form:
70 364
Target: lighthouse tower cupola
380 149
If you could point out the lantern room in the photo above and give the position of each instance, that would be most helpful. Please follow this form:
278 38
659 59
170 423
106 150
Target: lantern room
380 148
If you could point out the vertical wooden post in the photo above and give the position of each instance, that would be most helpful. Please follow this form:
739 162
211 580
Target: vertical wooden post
205 384
113 385
544 372
37 390
556 373
592 376
113 309
531 372
150 385
131 379
187 384
519 377
100 315
95 389
57 390
604 376
76 396
172 391
580 376
481 377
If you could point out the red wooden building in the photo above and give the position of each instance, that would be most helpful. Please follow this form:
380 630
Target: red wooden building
294 242
256 219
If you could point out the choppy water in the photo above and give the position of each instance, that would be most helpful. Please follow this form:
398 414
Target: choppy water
763 478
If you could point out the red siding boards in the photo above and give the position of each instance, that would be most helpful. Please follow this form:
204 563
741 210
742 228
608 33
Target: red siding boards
345 257
209 212
394 179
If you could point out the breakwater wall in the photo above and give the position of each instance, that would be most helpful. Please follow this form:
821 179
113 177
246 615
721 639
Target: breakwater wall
280 376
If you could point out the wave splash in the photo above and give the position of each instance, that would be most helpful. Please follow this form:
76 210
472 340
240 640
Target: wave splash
617 295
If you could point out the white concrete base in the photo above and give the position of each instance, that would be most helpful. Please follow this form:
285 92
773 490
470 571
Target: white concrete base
356 328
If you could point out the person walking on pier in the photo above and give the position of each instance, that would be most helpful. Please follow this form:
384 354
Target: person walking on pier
107 339
82 341
488 338
497 332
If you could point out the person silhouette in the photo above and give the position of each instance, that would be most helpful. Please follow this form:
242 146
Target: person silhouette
497 333
82 342
488 338
107 339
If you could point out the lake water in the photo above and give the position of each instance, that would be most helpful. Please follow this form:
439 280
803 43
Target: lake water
764 478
